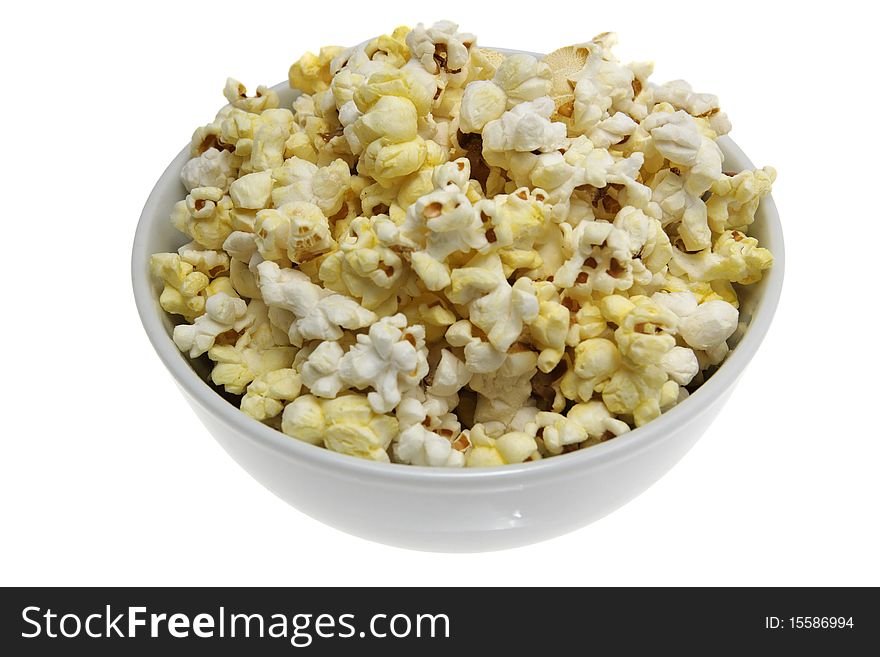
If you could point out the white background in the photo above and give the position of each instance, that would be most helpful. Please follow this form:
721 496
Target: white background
108 477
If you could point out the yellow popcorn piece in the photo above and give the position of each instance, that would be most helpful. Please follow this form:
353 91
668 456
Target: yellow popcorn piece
239 364
183 286
364 267
267 393
510 447
303 419
236 94
549 330
352 427
205 216
734 257
735 199
390 48
432 312
252 191
311 73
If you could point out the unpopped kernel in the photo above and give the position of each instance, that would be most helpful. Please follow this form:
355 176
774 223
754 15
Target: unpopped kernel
443 255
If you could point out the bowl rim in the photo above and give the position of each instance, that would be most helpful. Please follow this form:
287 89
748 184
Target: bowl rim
622 447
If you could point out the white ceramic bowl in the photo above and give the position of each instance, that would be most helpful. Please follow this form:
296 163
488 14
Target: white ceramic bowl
437 509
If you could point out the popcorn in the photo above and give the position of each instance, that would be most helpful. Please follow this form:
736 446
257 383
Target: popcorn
236 94
319 314
440 224
734 258
267 393
597 421
182 293
391 358
351 427
522 78
296 231
442 49
511 447
681 365
680 95
221 314
549 330
212 168
303 419
709 325
320 371
204 216
735 199
495 306
346 425
523 129
259 349
602 259
300 180
252 191
483 101
444 256
429 434
364 267
419 446
311 73
504 391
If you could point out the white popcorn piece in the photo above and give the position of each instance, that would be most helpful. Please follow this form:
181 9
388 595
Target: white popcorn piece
483 101
680 364
681 95
222 312
597 420
419 446
236 94
524 129
213 168
504 391
429 434
320 371
522 78
439 224
450 375
441 48
319 314
612 130
301 180
252 191
391 358
241 246
494 305
709 325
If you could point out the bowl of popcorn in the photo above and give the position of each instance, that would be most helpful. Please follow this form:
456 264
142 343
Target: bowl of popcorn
459 298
